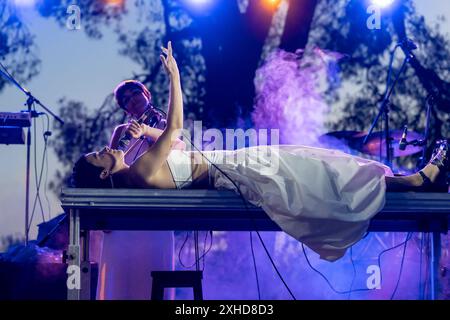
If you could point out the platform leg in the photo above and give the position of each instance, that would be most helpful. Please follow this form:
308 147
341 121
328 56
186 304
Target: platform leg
435 252
73 257
85 293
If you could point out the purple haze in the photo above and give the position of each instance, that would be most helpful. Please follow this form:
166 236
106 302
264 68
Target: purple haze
290 94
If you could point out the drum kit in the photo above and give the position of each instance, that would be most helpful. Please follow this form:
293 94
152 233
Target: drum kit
389 144
376 144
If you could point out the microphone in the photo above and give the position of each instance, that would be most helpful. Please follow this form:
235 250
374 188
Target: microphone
403 143
157 118
125 140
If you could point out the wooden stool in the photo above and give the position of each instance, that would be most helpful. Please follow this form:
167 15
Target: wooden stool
176 279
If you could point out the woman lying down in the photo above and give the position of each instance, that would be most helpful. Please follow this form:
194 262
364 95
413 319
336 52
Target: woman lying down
323 198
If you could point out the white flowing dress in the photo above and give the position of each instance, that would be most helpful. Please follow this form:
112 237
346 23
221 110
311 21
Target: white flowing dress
323 198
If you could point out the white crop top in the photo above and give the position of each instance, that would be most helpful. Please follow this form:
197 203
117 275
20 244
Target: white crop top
180 166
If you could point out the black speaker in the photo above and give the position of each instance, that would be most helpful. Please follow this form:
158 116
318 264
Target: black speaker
12 135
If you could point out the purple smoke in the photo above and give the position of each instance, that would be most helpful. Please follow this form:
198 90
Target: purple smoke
290 91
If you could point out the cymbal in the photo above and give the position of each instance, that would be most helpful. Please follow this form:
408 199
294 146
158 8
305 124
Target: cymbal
372 146
343 135
342 140
346 136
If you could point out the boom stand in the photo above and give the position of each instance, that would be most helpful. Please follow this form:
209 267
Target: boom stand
384 110
423 159
30 101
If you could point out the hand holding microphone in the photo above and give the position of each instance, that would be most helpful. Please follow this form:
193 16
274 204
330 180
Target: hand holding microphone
154 117
135 129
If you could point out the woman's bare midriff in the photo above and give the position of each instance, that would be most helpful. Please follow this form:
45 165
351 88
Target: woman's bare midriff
163 178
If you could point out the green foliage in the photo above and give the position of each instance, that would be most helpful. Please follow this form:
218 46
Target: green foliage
341 26
95 14
17 46
83 132
158 22
166 20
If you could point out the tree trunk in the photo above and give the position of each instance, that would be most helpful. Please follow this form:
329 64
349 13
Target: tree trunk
298 24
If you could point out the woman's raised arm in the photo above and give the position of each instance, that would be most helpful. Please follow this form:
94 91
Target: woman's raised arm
151 161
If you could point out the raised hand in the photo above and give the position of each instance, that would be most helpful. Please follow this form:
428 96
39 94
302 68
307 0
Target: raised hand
168 61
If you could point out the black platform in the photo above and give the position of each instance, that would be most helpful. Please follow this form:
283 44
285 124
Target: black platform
154 209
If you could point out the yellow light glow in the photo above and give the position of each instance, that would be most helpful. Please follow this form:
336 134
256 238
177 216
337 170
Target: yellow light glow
114 2
271 4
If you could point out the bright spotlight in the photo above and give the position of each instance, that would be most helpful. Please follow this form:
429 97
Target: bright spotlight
382 3
24 3
114 2
200 6
199 3
272 4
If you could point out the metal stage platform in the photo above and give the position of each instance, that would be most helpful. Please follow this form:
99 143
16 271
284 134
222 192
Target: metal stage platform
220 210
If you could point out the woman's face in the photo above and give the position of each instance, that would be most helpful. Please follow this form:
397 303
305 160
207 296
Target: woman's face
134 102
107 158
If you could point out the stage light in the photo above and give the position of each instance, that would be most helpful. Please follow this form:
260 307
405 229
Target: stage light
382 3
198 2
114 2
24 3
200 7
272 4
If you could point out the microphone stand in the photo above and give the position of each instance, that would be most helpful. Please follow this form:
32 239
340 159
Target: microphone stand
31 100
423 159
385 108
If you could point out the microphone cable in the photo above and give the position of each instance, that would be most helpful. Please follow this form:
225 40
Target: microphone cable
255 266
205 251
404 243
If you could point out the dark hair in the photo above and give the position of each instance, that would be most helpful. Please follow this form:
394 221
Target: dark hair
86 175
129 85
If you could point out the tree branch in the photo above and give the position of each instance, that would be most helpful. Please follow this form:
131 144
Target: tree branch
428 78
